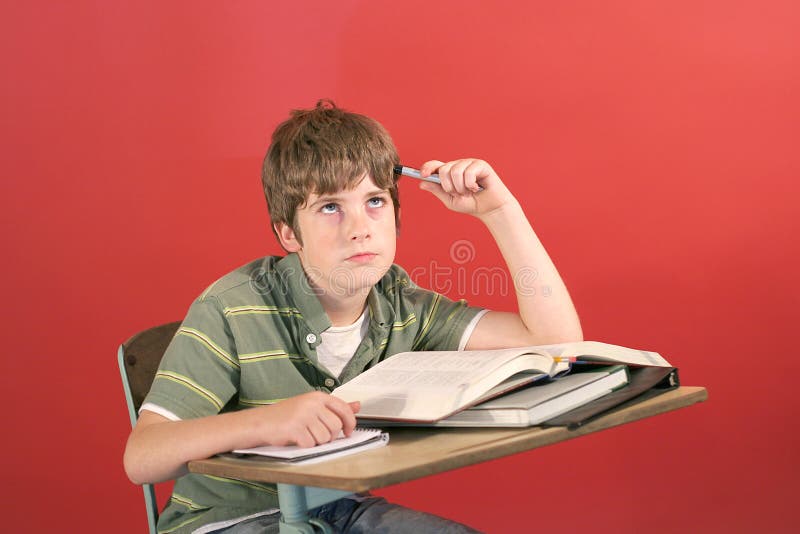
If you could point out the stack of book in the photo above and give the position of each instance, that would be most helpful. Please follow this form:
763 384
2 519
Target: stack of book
508 387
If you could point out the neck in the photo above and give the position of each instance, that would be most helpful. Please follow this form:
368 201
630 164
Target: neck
343 311
342 304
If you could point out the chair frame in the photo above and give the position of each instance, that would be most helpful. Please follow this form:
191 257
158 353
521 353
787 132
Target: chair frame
151 504
149 491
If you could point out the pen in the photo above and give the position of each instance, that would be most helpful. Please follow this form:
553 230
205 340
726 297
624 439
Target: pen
414 173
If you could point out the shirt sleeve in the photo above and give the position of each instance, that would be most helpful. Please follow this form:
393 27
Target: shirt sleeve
199 373
444 323
470 328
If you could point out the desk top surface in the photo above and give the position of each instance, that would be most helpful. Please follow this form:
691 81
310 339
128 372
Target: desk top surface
417 452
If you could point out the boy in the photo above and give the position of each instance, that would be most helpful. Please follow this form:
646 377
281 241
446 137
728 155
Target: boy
261 349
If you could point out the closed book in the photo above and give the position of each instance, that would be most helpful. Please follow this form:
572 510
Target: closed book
643 383
536 404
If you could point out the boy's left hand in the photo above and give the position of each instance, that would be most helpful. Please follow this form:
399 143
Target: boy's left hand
461 180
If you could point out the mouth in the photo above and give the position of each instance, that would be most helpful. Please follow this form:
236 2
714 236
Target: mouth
362 257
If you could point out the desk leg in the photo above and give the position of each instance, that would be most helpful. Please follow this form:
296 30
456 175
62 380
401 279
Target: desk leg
296 501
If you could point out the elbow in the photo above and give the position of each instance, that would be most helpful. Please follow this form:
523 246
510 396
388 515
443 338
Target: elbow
132 467
577 333
573 331
567 333
135 478
560 338
144 466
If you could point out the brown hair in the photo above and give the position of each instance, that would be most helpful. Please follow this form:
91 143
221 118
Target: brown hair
324 150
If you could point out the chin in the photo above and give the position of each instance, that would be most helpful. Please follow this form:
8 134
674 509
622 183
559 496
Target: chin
357 278
371 274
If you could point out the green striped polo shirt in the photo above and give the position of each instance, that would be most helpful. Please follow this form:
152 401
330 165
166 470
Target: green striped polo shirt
250 339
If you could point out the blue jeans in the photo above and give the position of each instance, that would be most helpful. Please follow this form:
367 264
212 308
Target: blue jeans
361 514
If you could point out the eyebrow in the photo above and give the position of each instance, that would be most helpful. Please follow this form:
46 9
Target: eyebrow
327 199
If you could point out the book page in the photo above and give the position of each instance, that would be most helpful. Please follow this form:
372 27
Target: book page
400 379
430 385
439 369
604 352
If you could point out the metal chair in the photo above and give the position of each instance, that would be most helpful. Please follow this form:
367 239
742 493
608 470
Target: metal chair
138 360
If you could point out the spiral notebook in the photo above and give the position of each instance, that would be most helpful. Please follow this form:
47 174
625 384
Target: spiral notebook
361 439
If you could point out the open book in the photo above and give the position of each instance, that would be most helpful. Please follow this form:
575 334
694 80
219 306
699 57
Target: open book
428 386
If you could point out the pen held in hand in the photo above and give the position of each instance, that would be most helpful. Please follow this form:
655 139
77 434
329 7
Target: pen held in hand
414 173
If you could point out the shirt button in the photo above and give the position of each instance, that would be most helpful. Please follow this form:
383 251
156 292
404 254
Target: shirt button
311 338
329 382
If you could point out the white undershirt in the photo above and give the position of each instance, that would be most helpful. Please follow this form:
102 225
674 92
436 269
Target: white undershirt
339 344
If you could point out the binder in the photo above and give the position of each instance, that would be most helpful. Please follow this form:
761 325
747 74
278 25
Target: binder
645 383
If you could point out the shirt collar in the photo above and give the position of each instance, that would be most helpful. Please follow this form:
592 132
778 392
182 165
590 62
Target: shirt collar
379 310
302 294
305 298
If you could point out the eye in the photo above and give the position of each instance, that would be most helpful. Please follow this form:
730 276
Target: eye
329 208
376 202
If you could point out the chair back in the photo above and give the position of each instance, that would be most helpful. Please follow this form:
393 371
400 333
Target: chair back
138 360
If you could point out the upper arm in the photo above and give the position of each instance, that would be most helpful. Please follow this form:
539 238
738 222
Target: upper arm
503 330
499 330
147 418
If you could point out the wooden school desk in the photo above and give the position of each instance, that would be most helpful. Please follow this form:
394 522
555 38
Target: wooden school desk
413 453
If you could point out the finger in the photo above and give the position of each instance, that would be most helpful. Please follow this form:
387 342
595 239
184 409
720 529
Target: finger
348 426
345 413
304 439
430 167
331 420
437 191
319 432
445 179
354 406
475 170
457 175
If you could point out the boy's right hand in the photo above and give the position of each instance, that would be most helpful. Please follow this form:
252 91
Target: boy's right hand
306 420
158 448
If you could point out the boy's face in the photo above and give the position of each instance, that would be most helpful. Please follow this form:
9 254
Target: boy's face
348 239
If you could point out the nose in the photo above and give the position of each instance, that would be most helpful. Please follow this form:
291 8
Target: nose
358 230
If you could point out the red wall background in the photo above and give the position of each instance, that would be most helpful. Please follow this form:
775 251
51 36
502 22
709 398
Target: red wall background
653 145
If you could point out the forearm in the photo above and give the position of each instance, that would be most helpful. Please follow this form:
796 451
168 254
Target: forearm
545 307
161 450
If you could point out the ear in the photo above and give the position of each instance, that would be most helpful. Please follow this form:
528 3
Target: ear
397 225
288 239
